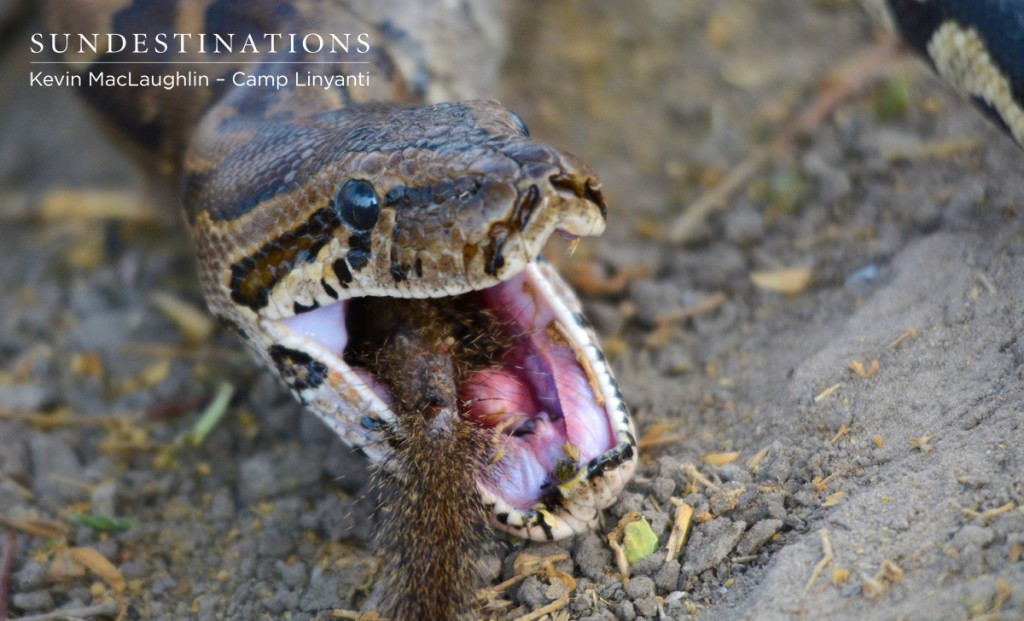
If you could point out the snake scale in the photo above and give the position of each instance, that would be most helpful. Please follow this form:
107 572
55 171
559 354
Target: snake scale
304 202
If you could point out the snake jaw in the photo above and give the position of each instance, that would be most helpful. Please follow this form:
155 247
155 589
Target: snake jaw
468 224
565 444
564 450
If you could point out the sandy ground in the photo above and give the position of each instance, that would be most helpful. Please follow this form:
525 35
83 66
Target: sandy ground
904 207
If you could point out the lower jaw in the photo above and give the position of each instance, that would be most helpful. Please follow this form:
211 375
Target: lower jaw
546 431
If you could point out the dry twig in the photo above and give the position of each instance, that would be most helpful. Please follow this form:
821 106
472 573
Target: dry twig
680 529
826 559
104 609
691 471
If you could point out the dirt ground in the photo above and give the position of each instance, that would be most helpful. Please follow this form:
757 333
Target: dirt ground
851 450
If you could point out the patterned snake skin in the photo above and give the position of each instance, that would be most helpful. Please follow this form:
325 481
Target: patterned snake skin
975 45
301 199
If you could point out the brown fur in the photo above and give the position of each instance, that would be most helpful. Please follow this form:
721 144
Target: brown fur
431 534
431 531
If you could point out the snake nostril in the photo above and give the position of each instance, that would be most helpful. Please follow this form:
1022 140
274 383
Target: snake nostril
587 188
567 182
592 192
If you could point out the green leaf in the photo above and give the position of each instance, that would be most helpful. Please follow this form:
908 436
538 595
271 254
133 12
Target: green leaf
104 523
639 541
212 415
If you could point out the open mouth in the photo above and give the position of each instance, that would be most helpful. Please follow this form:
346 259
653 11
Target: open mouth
543 388
542 395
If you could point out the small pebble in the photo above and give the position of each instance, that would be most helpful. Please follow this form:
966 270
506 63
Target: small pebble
668 576
744 224
292 575
30 577
322 592
276 544
532 593
734 472
27 397
862 276
33 601
648 565
270 473
640 586
606 317
54 463
592 556
626 612
103 497
627 503
283 600
973 535
646 607
222 506
711 543
757 536
653 300
831 184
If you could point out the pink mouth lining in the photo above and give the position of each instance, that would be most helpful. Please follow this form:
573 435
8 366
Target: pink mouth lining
539 396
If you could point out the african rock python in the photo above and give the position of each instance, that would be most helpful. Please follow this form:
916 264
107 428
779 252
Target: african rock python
301 200
304 196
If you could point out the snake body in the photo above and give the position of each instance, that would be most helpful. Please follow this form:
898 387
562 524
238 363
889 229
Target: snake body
976 46
303 200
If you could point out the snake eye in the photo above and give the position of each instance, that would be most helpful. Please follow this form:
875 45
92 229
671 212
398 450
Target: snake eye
357 204
523 129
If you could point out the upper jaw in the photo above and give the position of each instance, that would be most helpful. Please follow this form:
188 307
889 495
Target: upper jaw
436 259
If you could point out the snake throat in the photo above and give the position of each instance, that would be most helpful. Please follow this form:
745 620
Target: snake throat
563 441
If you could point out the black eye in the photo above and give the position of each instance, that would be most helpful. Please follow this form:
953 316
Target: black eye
523 129
357 204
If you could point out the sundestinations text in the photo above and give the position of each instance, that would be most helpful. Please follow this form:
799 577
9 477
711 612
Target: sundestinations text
199 43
